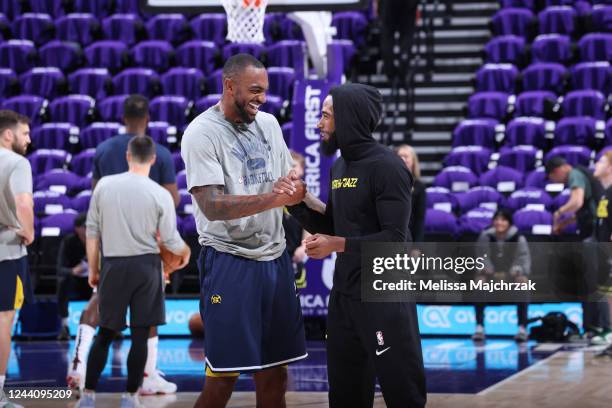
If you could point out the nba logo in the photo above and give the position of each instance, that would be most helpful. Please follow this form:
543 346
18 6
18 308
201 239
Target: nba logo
379 337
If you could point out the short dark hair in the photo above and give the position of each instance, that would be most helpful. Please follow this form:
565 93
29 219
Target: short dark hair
504 213
9 119
238 63
135 107
142 148
554 163
80 220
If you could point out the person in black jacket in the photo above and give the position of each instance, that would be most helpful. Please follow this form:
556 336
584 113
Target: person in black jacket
369 201
72 272
419 195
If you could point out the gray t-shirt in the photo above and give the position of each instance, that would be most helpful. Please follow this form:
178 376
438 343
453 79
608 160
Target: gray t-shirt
246 160
126 212
15 178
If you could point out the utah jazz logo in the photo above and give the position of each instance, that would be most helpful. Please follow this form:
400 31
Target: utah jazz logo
602 208
215 299
344 183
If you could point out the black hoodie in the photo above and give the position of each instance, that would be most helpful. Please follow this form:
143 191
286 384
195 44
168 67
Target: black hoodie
370 189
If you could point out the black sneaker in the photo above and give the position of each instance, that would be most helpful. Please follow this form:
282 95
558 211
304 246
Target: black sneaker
64 334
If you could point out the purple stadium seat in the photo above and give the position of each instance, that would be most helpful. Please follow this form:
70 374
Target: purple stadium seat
535 103
537 178
188 226
54 8
127 28
50 202
272 27
100 8
274 105
82 28
8 82
287 130
171 109
456 178
593 75
143 81
127 6
496 77
109 54
545 76
54 136
601 18
5 28
533 221
584 103
340 55
505 49
75 109
197 54
210 27
90 81
290 30
440 198
521 158
529 195
502 178
181 180
608 132
46 82
472 132
488 105
281 81
173 28
179 164
214 82
551 48
59 180
206 102
187 82
58 225
28 105
237 48
475 221
185 206
82 163
61 54
111 108
287 53
351 25
473 157
43 160
529 4
440 222
575 155
575 131
596 47
36 27
17 54
10 8
81 201
514 21
480 196
557 20
526 131
97 132
162 132
153 54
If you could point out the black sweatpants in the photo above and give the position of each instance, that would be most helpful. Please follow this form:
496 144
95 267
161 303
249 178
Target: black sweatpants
366 341
74 287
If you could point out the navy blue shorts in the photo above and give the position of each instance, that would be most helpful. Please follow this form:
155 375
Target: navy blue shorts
251 312
15 286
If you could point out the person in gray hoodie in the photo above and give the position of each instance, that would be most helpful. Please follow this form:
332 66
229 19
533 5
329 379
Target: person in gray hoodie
507 255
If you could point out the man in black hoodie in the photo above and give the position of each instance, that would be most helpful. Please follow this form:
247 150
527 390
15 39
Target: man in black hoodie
369 201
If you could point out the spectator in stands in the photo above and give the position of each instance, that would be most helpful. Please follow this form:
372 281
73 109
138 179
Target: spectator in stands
419 195
72 272
584 188
507 257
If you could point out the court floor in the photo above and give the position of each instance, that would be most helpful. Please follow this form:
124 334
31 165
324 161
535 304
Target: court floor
498 373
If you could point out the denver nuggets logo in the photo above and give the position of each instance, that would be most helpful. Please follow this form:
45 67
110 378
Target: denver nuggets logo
215 299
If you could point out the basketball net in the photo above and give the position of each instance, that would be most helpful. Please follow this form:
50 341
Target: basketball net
245 20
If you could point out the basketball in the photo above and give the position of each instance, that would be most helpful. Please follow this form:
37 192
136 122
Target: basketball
171 261
196 326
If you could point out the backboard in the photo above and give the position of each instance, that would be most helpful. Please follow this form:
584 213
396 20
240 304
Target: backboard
207 6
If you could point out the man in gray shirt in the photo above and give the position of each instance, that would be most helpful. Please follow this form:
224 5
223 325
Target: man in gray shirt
16 228
126 213
252 318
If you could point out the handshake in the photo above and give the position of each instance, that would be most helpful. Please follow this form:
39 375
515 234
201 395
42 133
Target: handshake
290 188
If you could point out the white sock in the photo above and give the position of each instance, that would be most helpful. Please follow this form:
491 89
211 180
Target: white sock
151 365
82 344
521 329
2 379
479 328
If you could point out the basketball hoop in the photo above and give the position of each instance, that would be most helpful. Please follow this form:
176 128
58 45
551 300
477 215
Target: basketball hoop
245 20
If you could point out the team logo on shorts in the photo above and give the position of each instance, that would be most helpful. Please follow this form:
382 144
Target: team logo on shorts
380 338
215 299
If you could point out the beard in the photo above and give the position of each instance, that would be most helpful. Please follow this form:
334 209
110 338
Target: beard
244 115
330 146
19 148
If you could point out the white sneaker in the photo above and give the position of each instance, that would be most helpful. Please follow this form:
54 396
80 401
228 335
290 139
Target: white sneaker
5 403
156 384
130 401
76 378
88 400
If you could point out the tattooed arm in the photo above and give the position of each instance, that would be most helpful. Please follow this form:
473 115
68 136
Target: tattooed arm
217 206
